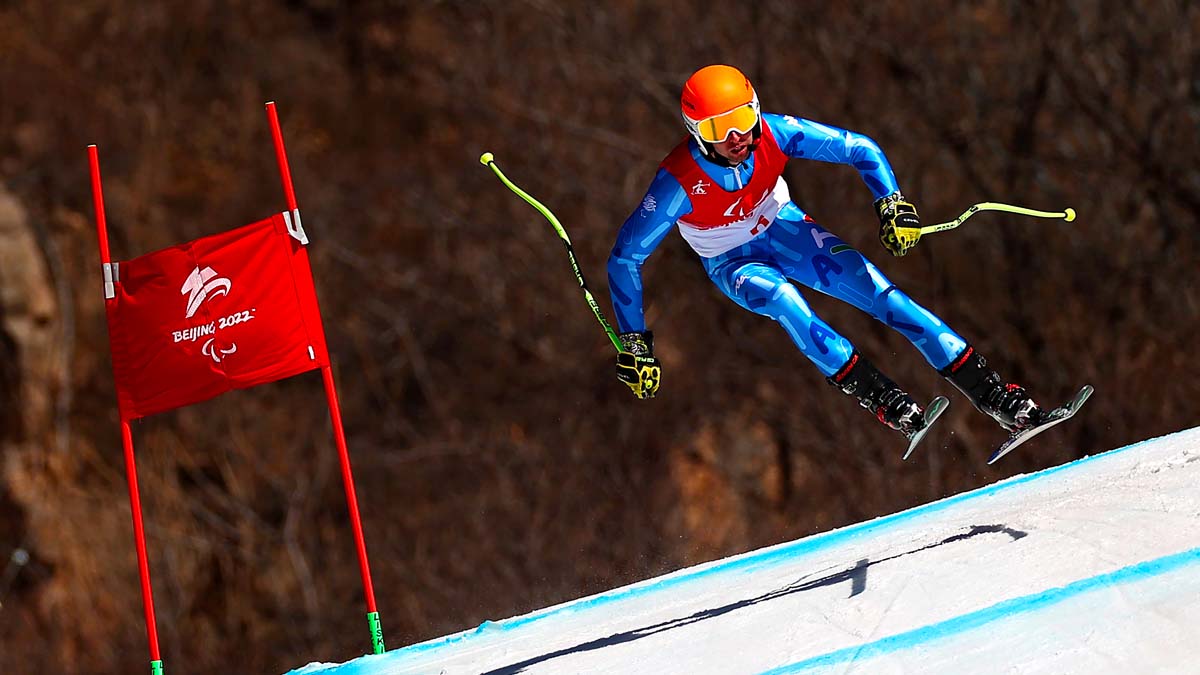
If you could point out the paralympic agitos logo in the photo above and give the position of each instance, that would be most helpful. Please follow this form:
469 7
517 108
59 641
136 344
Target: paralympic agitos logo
200 286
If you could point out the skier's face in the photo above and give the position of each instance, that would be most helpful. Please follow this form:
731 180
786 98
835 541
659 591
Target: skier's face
736 148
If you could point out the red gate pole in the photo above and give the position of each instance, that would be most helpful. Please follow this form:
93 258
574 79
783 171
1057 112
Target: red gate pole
335 413
135 501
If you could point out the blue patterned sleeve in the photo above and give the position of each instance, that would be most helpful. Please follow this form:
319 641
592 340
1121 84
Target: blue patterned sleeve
807 139
665 202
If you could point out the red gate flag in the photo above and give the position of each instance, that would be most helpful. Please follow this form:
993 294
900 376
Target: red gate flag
228 311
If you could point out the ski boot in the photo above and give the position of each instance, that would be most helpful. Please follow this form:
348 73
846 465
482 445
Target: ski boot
880 395
1008 404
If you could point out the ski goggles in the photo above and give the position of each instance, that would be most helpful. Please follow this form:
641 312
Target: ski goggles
717 128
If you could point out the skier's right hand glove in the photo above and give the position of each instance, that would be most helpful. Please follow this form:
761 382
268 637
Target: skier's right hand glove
636 365
899 226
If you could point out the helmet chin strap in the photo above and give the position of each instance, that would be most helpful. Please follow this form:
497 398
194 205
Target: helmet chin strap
755 135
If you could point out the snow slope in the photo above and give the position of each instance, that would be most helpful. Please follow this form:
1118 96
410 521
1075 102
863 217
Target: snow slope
1091 567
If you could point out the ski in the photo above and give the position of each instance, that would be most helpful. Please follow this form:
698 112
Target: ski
932 411
1056 416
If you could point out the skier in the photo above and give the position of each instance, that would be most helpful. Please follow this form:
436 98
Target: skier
723 187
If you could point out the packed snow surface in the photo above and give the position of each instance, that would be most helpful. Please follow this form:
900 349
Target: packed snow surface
1092 567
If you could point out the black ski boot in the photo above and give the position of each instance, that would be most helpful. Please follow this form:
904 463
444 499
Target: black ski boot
1008 404
880 395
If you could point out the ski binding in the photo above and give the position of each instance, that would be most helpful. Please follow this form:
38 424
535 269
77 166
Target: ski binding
932 411
1056 416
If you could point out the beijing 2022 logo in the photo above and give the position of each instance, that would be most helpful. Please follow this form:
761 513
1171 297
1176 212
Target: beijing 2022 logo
203 285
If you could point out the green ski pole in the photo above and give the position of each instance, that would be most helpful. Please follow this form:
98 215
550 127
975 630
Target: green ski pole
488 160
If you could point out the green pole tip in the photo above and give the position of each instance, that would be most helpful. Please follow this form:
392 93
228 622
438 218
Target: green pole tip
377 646
1070 215
486 158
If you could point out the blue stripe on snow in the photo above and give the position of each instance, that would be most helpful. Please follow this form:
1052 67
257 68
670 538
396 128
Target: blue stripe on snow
972 620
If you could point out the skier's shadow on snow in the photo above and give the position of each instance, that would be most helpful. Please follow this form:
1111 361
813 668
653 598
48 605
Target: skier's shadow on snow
857 576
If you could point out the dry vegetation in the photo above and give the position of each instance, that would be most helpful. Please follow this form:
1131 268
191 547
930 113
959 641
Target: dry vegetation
500 466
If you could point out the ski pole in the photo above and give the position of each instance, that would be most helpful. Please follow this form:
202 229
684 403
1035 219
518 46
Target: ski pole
488 159
1067 215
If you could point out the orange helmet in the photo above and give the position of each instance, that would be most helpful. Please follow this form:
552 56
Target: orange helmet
716 101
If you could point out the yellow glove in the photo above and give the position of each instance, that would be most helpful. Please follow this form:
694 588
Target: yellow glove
899 225
636 365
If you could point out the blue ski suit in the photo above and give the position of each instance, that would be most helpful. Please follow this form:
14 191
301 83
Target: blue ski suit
755 274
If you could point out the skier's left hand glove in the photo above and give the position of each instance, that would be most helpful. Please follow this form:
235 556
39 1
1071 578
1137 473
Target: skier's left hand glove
636 365
899 226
